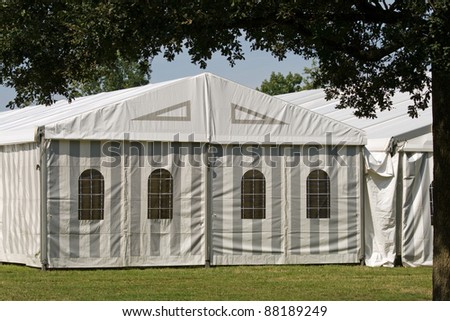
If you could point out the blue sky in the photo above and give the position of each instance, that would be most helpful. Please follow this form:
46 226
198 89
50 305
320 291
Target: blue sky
250 72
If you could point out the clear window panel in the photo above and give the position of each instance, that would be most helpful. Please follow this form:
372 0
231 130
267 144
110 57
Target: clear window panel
160 194
318 195
253 195
91 190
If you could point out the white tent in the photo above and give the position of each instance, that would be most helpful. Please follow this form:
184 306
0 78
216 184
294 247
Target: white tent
194 171
399 171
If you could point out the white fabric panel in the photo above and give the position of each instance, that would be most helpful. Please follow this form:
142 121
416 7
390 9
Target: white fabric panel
417 232
245 115
19 204
145 117
125 237
22 123
286 235
179 241
380 205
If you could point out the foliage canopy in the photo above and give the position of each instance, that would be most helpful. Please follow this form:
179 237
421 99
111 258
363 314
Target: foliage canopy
279 84
47 46
122 74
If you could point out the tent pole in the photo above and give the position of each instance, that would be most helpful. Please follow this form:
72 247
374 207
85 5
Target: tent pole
399 212
43 196
362 205
208 214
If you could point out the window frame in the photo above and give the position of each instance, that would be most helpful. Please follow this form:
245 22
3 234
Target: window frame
166 212
90 195
253 201
321 196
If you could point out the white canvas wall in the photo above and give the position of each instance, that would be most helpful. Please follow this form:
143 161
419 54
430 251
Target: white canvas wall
416 231
287 236
19 204
380 208
126 237
397 208
181 240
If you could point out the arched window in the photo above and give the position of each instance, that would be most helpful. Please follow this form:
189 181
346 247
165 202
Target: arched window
160 194
253 195
318 194
91 195
431 202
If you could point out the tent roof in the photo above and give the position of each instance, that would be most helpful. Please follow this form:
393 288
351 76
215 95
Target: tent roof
381 131
20 125
203 108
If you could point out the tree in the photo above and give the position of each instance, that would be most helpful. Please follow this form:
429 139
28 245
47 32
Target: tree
366 50
279 84
123 74
312 79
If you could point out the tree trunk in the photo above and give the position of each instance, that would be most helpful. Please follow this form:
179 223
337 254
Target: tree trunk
441 185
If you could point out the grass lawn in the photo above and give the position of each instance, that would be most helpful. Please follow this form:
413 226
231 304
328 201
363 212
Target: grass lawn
243 283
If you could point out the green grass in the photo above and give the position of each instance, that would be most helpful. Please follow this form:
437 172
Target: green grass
243 283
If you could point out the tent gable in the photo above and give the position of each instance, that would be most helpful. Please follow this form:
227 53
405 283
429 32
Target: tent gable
254 116
204 108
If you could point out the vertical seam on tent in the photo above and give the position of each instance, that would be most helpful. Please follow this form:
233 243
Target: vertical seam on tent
127 212
3 198
208 107
43 197
208 177
362 193
286 209
399 217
